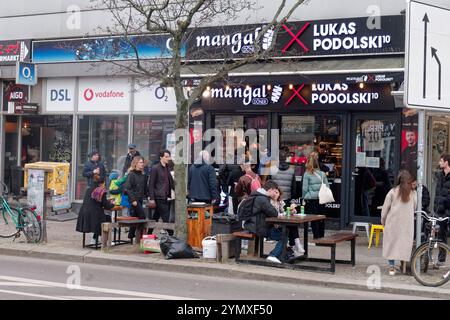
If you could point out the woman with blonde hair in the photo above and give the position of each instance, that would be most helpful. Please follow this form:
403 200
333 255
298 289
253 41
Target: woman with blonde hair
397 217
136 189
312 181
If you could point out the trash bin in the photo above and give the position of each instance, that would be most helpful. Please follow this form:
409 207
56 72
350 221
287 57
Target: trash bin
199 217
224 224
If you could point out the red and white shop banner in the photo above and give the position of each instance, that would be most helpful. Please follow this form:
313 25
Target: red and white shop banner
104 95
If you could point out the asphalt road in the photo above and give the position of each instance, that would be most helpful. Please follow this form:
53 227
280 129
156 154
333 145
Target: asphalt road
29 278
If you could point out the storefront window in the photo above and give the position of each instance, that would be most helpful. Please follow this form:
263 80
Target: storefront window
301 135
57 142
11 169
153 134
106 134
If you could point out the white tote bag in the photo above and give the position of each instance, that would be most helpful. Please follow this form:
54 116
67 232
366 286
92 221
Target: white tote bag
325 193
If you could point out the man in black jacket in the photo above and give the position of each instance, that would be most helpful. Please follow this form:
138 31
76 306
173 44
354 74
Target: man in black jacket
442 198
160 187
132 152
202 181
94 166
260 209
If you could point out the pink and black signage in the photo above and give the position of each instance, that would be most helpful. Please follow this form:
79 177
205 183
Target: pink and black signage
357 36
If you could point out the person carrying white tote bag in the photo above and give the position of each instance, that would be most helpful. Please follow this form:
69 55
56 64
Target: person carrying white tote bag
325 193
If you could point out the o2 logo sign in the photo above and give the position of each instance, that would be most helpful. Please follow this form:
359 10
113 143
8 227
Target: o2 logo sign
161 94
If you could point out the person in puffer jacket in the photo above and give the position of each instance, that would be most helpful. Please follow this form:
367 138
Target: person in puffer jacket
312 181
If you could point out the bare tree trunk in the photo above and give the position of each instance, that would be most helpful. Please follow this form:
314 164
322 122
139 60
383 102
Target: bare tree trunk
181 166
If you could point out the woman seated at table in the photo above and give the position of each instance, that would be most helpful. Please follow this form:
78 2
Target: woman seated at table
92 214
294 240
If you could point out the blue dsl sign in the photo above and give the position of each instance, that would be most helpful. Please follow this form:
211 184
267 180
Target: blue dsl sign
26 73
59 95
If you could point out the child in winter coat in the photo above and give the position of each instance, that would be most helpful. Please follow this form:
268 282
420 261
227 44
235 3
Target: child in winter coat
115 190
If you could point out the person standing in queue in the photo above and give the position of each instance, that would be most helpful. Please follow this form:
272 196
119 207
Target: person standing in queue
136 189
132 153
94 166
160 188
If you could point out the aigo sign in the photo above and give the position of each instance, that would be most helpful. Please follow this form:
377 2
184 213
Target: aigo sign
104 95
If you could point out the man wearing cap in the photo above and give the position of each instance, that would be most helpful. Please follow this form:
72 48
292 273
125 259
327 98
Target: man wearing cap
93 166
132 152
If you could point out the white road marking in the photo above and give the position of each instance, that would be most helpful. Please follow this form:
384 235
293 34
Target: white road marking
34 295
20 284
96 289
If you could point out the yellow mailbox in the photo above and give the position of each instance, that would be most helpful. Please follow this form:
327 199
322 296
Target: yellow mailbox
57 175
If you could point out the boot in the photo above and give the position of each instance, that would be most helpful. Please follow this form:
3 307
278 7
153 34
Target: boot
298 247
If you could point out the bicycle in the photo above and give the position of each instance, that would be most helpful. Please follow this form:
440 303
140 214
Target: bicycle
14 220
431 256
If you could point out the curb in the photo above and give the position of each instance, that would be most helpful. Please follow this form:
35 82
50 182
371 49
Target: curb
228 270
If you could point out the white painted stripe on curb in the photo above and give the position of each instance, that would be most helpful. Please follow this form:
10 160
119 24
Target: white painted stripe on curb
96 289
20 284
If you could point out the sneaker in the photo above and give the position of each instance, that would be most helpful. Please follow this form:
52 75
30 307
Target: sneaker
297 252
273 259
392 271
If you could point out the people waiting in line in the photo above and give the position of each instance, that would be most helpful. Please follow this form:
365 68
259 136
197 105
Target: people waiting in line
136 189
397 217
312 181
248 183
94 166
442 199
132 153
202 182
161 188
92 214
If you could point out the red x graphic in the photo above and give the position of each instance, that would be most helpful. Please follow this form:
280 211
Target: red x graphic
297 93
295 38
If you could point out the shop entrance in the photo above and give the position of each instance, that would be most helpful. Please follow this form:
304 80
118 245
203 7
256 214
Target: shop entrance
374 164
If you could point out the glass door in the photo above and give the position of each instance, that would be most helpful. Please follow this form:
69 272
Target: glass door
375 156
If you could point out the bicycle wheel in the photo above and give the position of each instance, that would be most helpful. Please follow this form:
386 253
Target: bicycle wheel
8 227
31 226
434 264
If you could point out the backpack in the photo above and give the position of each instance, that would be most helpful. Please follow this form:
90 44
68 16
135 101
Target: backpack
245 208
255 184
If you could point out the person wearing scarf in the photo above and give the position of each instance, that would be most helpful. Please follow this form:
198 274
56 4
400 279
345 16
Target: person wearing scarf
92 214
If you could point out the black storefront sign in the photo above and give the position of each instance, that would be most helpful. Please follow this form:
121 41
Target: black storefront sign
337 37
26 108
293 94
14 50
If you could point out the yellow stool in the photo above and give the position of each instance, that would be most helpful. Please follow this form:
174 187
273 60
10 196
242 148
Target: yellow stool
377 228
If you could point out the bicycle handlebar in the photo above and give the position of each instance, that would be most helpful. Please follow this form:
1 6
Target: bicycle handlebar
426 216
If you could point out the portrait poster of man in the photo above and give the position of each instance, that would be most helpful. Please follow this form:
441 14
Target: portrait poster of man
409 140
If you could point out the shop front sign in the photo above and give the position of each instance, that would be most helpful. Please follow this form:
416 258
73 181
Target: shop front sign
155 99
16 93
14 51
60 95
337 37
26 108
100 95
311 94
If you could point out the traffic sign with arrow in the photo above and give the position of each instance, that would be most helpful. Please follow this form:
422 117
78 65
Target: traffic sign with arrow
427 65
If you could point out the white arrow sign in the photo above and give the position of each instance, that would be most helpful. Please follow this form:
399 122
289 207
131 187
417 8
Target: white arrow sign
427 65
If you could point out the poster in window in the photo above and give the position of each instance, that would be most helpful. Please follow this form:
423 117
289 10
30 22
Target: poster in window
373 132
409 140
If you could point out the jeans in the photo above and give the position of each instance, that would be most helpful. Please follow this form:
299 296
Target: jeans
442 235
137 211
275 234
162 211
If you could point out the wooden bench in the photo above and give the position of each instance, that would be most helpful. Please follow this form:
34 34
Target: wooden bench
253 241
331 242
142 227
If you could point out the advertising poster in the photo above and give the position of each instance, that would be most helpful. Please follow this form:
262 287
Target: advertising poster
409 140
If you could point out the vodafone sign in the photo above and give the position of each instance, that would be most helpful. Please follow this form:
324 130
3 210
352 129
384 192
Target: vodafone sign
100 95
